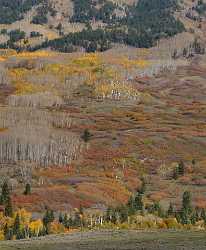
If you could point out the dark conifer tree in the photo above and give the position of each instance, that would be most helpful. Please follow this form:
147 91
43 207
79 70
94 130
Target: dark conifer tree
181 168
170 211
16 227
5 193
8 211
203 214
27 190
138 203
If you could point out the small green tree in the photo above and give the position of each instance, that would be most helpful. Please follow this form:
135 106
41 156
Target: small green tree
131 205
60 218
184 53
138 203
193 218
86 135
8 232
5 193
193 162
143 186
65 220
185 218
203 215
181 168
27 190
186 201
8 211
47 219
175 174
186 210
108 214
16 226
123 213
170 211
174 54
197 216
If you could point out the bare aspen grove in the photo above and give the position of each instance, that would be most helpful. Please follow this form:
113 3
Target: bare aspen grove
31 135
34 127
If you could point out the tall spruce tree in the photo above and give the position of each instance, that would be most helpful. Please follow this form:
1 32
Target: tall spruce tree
138 203
5 193
16 227
8 211
203 215
170 211
181 168
186 210
27 190
143 186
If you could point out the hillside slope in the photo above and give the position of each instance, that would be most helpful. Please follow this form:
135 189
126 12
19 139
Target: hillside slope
88 128
97 24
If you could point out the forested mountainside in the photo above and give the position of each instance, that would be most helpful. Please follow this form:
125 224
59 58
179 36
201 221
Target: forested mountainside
140 24
11 11
111 134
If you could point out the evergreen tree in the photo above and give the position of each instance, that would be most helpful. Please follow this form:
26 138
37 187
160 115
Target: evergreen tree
60 218
27 190
193 162
193 218
203 215
81 210
47 219
123 213
186 201
178 216
16 226
114 218
131 205
8 211
8 232
77 219
65 220
185 218
181 168
86 135
174 54
70 222
186 208
175 174
138 203
51 216
170 211
5 193
197 217
143 186
184 53
108 214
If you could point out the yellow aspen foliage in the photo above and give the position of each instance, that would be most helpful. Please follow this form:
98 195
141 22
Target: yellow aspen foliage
125 90
7 220
24 215
2 235
56 227
5 53
89 60
36 54
19 80
132 63
36 226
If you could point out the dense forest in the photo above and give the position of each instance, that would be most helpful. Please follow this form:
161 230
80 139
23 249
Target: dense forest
13 10
143 25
